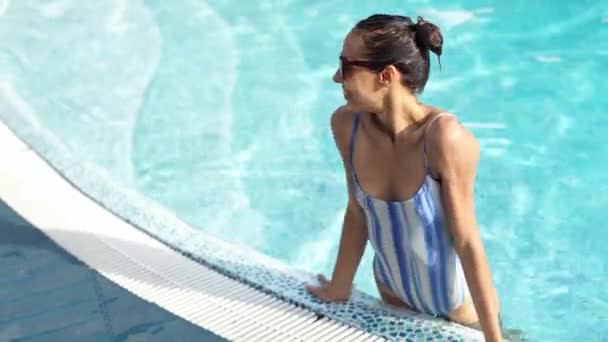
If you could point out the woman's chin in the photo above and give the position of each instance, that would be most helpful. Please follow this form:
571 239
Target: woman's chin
349 102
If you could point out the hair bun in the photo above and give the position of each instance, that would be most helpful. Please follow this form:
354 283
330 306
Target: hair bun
428 36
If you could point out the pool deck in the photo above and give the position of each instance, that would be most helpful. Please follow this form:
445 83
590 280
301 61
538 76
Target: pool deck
47 294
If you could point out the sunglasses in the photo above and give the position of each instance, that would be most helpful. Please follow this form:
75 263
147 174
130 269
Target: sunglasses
346 65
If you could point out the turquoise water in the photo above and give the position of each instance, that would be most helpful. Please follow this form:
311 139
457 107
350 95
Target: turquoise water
221 114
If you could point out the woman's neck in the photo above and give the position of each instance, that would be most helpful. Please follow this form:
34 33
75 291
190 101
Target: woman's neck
400 113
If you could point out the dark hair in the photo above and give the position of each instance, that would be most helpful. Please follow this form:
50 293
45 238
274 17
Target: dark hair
401 42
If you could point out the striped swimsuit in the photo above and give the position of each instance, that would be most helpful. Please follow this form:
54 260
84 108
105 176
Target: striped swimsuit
414 252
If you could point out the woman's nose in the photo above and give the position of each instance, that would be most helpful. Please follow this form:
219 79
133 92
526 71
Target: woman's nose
337 76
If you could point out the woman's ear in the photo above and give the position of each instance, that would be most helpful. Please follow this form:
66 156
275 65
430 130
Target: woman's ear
389 75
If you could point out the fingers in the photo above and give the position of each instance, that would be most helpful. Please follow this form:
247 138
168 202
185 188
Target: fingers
321 290
318 292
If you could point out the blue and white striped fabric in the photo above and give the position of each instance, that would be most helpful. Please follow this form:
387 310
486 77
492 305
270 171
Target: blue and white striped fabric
414 252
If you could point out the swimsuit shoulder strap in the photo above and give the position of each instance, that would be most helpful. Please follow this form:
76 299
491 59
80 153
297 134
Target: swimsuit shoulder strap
433 119
351 144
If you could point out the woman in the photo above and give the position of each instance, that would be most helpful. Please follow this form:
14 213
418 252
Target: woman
410 170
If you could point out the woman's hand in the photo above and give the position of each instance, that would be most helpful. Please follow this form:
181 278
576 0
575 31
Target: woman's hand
328 292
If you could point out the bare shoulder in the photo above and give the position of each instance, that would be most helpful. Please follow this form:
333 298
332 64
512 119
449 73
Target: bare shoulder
449 132
452 145
342 121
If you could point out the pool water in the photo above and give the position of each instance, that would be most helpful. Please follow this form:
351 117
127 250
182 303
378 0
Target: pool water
219 110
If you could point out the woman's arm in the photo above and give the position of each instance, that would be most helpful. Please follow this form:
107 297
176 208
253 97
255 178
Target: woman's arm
454 154
354 234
